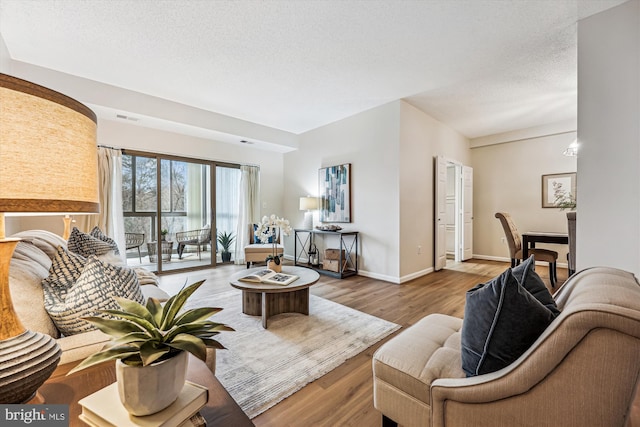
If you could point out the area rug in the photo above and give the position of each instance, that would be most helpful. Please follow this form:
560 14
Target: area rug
261 367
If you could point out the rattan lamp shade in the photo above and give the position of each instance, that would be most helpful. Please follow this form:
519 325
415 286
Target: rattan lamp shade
48 163
48 156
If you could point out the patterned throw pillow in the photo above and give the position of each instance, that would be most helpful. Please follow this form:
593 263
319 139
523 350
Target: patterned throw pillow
98 234
94 290
256 236
66 268
86 244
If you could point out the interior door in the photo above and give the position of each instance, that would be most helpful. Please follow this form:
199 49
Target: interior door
440 226
467 213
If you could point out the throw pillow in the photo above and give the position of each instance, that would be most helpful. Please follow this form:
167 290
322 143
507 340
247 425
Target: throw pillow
205 233
256 236
86 244
502 319
94 290
98 234
66 268
525 275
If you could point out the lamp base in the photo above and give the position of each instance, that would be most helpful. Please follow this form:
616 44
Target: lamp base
26 362
308 221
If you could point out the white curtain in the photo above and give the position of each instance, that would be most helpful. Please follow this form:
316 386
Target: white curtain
110 219
249 209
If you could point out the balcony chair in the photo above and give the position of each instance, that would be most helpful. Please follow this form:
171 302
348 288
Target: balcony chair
515 247
258 252
134 241
199 238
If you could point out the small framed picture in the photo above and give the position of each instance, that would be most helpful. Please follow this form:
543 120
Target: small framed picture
559 190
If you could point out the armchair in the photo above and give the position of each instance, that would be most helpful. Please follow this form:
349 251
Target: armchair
582 371
258 252
134 241
199 238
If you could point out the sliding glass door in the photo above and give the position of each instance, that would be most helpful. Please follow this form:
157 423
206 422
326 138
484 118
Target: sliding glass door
175 228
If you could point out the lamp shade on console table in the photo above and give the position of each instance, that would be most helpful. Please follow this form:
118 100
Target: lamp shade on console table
48 164
308 204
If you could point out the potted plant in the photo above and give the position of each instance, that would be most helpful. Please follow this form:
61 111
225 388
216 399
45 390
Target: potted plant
164 233
150 344
225 239
267 231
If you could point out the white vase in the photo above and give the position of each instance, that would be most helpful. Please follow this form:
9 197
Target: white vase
145 390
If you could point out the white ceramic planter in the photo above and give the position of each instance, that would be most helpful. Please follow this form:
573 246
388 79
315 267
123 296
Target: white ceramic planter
145 390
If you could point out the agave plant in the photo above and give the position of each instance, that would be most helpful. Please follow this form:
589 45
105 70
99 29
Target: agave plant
225 239
141 335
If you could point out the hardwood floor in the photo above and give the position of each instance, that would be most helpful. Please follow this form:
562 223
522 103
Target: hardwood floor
344 397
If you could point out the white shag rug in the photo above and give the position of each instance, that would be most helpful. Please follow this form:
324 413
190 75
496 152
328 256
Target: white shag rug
261 367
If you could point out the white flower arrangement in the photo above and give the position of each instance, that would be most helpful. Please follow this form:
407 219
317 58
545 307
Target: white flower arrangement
269 228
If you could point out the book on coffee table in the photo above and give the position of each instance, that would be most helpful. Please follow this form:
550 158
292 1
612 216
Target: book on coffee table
270 277
103 408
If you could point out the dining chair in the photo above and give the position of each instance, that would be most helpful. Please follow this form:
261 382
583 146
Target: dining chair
515 247
571 256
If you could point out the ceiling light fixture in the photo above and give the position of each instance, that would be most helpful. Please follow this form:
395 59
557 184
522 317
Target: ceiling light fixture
572 149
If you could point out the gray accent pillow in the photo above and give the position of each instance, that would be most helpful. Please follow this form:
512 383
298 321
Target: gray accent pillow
525 275
85 244
94 290
502 319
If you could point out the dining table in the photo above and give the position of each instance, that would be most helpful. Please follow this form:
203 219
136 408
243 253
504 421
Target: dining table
530 238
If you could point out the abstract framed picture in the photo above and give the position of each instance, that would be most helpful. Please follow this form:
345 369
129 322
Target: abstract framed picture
334 189
558 190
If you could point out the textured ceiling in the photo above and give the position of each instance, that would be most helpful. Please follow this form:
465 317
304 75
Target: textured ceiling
481 66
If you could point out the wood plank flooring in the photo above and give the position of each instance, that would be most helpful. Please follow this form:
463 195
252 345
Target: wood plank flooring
344 396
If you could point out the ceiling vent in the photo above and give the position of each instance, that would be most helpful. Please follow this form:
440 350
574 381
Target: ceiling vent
123 117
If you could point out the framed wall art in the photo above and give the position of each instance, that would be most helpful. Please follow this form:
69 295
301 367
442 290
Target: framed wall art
559 190
334 189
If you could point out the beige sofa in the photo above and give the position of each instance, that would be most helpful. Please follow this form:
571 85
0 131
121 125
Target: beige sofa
582 371
29 265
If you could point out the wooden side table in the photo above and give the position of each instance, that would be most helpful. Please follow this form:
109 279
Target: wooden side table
262 299
221 410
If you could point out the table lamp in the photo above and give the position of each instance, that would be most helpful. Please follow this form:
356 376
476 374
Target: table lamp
48 164
308 204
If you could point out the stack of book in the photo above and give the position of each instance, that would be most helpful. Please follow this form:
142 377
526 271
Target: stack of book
104 409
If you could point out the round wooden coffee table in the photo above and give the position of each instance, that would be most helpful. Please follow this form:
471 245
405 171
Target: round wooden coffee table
259 299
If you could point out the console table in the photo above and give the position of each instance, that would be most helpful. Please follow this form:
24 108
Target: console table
347 245
220 410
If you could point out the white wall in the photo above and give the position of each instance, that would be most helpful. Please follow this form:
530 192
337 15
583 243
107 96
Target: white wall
508 177
369 141
391 151
608 220
421 139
